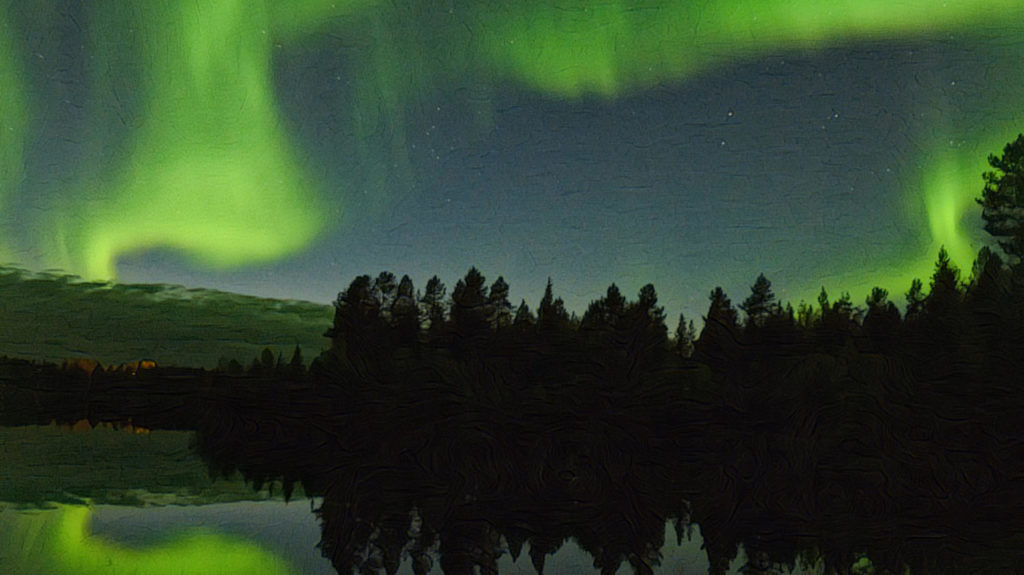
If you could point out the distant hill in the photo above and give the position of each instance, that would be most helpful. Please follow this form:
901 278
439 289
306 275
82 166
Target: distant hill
49 317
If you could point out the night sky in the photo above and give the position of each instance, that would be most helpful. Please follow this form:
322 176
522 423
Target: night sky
280 151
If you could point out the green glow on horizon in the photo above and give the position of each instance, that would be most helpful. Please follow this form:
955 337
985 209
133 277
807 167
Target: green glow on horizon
952 182
58 542
211 170
946 202
950 179
13 119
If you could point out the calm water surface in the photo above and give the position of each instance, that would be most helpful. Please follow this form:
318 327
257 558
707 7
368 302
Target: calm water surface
291 532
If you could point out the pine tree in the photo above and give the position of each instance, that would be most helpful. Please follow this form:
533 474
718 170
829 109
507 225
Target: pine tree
405 313
523 315
551 313
915 300
990 283
359 328
469 302
433 302
499 308
648 318
605 313
384 291
945 292
882 322
837 322
843 308
806 317
718 343
721 309
761 304
355 310
685 336
1002 200
823 306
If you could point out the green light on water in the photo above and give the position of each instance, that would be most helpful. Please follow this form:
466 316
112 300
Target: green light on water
58 542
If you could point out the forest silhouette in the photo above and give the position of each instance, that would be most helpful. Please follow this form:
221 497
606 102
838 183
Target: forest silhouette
462 426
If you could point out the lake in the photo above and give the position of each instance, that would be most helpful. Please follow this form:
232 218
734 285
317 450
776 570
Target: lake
179 520
126 539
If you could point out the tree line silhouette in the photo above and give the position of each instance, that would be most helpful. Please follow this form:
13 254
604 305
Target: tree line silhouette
825 432
461 426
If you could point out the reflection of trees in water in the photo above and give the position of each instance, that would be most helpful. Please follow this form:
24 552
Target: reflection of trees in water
813 432
413 444
818 455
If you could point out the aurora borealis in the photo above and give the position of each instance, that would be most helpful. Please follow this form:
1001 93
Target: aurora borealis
256 147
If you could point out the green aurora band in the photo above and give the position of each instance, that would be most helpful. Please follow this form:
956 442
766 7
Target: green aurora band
13 118
58 542
574 49
211 171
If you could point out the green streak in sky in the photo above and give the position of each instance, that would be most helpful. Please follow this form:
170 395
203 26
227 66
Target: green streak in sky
210 171
58 542
575 47
951 182
947 181
13 119
948 177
